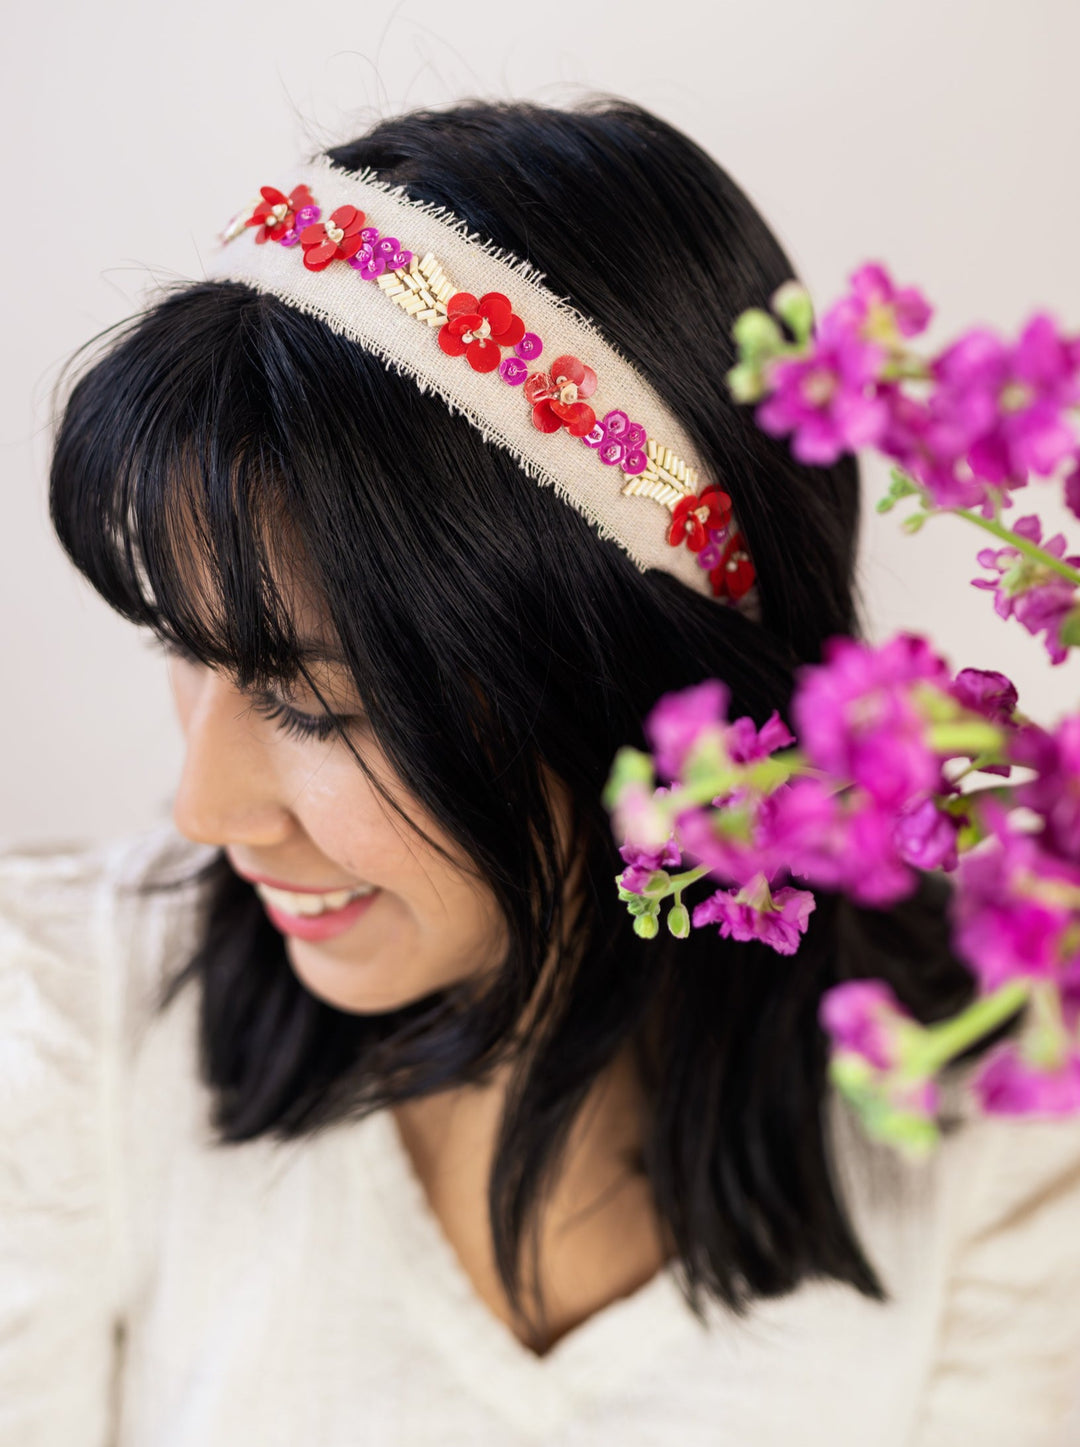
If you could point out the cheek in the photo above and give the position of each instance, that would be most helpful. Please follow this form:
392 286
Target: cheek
448 910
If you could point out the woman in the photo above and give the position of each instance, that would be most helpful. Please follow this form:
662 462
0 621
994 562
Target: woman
346 1106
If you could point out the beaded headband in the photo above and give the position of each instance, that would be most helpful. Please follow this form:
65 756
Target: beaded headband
336 255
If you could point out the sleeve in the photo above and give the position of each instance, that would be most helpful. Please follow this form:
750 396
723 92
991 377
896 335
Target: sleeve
1006 1367
60 1327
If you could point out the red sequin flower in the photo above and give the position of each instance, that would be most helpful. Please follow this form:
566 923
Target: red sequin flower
558 397
275 212
693 518
325 241
734 573
477 330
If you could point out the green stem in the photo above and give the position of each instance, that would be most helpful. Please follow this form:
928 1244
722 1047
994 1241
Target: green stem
1023 545
679 882
951 1037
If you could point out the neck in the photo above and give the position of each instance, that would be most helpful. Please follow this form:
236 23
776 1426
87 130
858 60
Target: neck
598 1233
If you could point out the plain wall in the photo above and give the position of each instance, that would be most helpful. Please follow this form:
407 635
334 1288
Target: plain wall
938 136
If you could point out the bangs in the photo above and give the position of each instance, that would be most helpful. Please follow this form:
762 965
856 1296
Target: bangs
169 486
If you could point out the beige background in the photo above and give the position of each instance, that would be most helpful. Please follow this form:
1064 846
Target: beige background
937 135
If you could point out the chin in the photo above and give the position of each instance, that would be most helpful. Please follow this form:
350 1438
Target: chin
357 987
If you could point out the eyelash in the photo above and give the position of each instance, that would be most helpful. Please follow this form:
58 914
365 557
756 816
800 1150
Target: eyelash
290 720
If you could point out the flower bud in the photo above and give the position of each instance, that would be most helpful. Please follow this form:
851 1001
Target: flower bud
678 921
792 305
757 335
646 926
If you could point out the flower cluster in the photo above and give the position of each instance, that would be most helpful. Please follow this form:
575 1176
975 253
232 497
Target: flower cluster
862 794
893 765
966 427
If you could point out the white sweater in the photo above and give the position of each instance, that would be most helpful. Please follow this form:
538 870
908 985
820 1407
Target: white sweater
159 1291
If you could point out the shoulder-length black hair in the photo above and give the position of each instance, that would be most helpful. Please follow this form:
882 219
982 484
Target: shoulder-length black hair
494 636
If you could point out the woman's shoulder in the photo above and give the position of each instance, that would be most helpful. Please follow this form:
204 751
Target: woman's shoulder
88 931
986 1233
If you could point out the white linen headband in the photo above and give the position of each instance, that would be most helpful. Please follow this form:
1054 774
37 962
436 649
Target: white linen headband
483 329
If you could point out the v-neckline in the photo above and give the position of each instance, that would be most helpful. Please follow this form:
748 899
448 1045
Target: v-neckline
615 1343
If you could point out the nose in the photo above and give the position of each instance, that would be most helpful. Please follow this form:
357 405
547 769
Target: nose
228 791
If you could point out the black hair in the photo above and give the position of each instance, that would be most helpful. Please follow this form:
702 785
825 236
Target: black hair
493 635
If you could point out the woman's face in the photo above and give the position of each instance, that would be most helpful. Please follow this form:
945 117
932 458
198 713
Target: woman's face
299 811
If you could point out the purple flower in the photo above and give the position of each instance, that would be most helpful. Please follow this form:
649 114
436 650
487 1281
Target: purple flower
838 841
1055 791
925 837
1012 400
707 839
856 718
929 441
754 912
862 1016
640 820
745 742
1007 1084
828 398
643 864
985 692
1072 491
1015 906
680 720
1029 591
888 312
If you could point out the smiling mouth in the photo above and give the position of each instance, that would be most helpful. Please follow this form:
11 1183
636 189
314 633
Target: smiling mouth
310 906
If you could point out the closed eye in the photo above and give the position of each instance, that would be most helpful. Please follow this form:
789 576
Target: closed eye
291 721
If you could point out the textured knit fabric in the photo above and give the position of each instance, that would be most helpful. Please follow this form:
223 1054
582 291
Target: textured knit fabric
157 1290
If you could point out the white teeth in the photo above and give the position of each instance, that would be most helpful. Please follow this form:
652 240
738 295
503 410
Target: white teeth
310 905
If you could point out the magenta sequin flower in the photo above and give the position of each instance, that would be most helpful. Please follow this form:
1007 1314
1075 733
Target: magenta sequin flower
378 254
619 442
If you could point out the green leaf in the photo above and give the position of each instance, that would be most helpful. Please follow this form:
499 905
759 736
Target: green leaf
913 523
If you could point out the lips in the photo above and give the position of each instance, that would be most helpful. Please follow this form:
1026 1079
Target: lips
324 926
